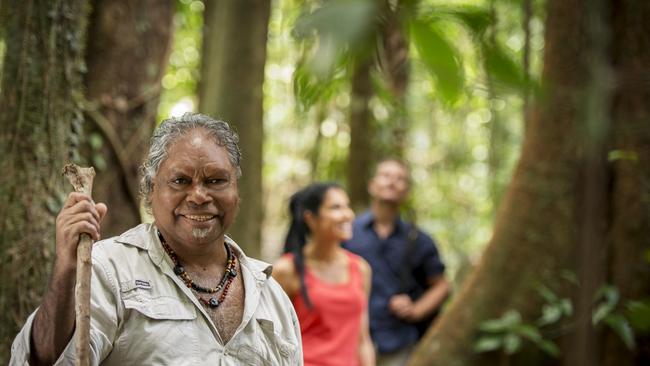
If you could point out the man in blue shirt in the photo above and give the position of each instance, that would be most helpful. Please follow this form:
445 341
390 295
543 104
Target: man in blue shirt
408 283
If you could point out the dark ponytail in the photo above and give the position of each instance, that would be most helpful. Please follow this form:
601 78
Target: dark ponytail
309 199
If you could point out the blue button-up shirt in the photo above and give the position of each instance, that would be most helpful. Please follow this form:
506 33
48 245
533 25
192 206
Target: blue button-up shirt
387 258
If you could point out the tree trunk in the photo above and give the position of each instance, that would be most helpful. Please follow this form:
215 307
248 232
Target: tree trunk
630 217
397 70
39 125
232 74
128 47
537 226
361 152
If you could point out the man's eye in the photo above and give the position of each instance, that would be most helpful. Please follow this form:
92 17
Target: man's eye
180 181
217 181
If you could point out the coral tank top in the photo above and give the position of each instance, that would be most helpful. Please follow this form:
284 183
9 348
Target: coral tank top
330 329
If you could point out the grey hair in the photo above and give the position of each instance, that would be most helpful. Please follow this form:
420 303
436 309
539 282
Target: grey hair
173 128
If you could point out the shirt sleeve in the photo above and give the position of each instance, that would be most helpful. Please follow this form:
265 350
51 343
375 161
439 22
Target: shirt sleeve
431 263
103 325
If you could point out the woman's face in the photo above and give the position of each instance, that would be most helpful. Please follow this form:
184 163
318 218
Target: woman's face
334 218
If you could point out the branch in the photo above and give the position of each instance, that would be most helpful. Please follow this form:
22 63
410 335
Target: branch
82 181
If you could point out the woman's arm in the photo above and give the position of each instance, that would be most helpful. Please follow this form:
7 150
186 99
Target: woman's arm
366 349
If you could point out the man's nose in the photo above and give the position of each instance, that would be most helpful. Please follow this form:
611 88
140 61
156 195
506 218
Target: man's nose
198 194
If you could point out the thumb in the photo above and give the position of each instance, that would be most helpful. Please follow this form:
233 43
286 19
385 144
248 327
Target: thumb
101 210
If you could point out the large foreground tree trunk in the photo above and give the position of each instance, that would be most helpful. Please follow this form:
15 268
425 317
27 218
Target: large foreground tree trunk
232 74
128 47
39 122
560 194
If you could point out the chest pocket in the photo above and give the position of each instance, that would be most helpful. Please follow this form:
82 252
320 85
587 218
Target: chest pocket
158 328
275 348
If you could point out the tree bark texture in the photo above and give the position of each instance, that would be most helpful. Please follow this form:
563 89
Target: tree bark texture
564 194
397 70
128 46
630 216
232 75
39 123
361 153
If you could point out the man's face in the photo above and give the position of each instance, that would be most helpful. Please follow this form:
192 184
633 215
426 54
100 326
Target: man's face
390 183
195 195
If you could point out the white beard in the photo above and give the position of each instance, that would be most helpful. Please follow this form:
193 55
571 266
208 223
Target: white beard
200 233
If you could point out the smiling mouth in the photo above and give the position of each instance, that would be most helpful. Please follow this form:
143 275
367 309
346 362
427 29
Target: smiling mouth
200 218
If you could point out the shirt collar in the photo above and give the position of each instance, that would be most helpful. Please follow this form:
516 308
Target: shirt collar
144 236
367 219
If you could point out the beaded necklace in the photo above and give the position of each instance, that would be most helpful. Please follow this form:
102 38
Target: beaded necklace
230 273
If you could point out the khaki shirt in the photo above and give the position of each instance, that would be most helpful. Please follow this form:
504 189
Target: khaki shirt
143 314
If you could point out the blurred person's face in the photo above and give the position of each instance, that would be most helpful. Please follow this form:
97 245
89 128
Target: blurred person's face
334 219
390 183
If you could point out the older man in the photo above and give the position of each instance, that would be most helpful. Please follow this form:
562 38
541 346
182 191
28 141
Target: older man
177 291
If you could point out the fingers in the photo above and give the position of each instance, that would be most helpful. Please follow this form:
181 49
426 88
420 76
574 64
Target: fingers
402 306
79 215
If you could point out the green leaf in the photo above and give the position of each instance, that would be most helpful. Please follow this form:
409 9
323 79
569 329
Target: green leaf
512 318
567 307
502 67
99 162
475 19
570 276
549 347
493 326
529 332
621 326
547 294
601 312
95 141
508 321
550 314
487 344
511 343
638 314
309 88
440 58
345 21
622 155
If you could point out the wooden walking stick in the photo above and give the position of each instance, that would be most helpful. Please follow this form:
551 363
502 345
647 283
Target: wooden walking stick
82 181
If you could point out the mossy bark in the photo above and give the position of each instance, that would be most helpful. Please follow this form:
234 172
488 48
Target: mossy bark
128 47
232 74
39 126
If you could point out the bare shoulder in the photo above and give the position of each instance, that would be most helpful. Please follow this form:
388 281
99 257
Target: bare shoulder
284 271
364 267
366 273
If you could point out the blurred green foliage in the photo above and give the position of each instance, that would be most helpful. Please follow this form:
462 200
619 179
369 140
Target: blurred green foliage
181 78
307 98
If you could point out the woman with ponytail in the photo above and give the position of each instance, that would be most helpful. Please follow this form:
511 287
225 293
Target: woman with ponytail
327 285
